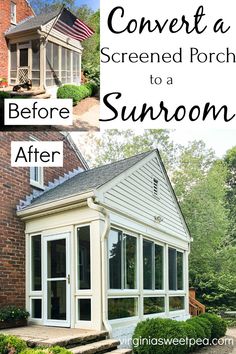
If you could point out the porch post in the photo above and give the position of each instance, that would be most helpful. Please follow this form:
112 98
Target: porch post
42 63
96 228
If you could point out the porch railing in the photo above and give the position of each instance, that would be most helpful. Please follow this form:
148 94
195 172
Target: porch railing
23 74
195 307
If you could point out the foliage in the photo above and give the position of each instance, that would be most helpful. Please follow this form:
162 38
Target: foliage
91 52
219 326
12 313
11 344
115 144
92 73
77 93
204 323
4 95
230 200
158 329
231 322
197 328
46 6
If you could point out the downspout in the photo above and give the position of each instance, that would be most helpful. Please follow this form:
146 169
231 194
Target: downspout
104 237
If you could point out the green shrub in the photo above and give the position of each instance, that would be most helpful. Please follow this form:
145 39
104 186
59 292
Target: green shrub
77 93
93 87
13 313
4 95
11 344
92 73
190 333
198 328
159 330
205 324
219 326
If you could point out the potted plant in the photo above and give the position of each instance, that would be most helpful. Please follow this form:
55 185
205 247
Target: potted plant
3 82
12 316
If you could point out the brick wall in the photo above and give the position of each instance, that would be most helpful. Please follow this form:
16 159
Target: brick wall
23 10
14 185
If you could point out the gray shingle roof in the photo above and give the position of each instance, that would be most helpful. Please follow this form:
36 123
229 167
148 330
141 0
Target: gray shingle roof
32 23
88 180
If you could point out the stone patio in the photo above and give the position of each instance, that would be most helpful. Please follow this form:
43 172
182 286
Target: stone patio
49 336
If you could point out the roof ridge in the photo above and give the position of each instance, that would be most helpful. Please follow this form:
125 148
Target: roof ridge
125 159
57 181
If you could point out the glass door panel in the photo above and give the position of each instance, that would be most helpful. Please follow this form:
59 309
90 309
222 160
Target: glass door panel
57 281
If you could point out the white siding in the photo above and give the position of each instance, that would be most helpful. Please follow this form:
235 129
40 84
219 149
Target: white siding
134 196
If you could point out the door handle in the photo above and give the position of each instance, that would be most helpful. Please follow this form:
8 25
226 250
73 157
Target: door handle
68 278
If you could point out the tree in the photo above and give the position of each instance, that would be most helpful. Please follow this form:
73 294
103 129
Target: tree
42 6
230 161
114 144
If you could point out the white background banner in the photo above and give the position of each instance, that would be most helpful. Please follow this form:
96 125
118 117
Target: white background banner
168 80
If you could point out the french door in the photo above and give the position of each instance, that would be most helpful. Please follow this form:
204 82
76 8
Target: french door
56 298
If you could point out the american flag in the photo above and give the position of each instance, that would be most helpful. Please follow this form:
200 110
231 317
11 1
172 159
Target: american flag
71 26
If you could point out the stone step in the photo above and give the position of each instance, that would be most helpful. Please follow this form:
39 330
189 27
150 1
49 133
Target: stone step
102 346
121 351
28 93
43 96
69 341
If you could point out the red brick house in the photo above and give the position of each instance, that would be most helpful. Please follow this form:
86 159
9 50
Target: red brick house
45 49
12 12
15 184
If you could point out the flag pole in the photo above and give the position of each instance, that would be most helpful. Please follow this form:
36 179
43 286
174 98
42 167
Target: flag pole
56 19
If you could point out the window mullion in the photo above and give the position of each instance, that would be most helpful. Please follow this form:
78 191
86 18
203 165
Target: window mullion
153 266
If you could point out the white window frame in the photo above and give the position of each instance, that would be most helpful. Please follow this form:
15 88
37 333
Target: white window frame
123 288
13 12
154 290
40 183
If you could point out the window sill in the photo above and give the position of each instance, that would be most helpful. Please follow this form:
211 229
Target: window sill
37 185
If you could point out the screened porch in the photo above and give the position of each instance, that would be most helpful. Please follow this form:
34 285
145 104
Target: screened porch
46 64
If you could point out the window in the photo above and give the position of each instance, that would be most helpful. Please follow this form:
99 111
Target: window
175 270
156 187
122 308
36 308
176 303
13 12
36 261
84 309
122 260
36 176
152 305
152 266
83 234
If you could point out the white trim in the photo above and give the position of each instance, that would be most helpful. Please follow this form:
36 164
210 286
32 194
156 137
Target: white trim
46 321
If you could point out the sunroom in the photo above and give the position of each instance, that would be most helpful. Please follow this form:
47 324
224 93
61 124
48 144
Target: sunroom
38 51
104 250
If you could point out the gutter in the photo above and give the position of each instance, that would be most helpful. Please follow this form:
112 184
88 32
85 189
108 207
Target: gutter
53 206
104 237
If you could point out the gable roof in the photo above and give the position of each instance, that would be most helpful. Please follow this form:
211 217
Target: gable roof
33 22
87 180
